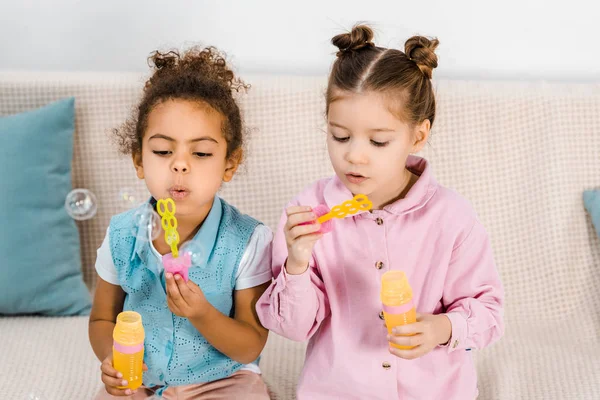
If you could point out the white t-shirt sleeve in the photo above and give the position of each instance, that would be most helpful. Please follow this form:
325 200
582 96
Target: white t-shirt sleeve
255 265
105 267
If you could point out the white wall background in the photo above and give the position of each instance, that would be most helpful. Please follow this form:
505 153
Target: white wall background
526 39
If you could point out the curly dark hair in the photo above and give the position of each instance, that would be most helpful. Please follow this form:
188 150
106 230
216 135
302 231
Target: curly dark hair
198 74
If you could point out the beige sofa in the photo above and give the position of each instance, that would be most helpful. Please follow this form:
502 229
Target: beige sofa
521 152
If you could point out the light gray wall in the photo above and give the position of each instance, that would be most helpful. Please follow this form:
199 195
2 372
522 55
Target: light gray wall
528 39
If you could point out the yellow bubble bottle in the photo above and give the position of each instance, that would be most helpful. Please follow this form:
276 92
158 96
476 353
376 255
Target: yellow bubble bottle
128 348
397 299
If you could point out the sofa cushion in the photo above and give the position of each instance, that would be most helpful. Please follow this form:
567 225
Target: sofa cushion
591 200
47 358
40 270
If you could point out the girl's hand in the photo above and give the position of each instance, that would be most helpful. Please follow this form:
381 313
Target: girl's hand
300 239
185 299
428 332
113 378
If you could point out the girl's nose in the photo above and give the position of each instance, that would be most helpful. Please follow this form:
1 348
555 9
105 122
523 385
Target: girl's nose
180 165
355 155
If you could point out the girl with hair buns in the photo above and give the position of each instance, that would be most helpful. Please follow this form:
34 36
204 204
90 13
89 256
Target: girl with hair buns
380 107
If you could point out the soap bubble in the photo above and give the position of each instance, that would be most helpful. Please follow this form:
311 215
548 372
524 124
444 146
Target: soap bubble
36 395
147 223
128 198
81 204
195 251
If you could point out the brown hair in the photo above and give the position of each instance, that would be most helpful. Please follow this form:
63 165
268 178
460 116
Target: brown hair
200 75
405 77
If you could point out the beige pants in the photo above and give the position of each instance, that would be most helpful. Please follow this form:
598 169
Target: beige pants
241 385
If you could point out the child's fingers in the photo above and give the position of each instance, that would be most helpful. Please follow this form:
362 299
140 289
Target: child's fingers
173 289
310 239
119 392
410 354
299 231
300 218
297 209
113 378
410 329
194 288
184 290
174 301
408 341
307 241
107 368
174 309
113 382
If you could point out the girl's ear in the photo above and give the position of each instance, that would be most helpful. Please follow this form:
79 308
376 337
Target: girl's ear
233 162
137 163
421 134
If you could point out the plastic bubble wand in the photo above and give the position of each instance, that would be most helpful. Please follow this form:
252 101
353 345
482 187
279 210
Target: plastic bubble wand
358 203
172 262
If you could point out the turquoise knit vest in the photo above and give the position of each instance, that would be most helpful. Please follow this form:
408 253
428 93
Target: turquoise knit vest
175 352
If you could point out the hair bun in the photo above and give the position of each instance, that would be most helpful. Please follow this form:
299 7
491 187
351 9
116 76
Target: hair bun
163 60
421 50
360 37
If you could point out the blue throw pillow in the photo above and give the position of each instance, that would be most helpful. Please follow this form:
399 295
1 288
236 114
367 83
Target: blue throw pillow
591 199
40 264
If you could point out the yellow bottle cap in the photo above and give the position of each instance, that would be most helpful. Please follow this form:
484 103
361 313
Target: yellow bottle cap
395 289
129 330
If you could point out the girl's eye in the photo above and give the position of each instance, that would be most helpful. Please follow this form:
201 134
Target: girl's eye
203 155
379 144
340 139
161 153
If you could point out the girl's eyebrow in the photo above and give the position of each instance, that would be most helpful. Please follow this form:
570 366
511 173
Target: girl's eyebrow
370 130
382 130
337 125
170 139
